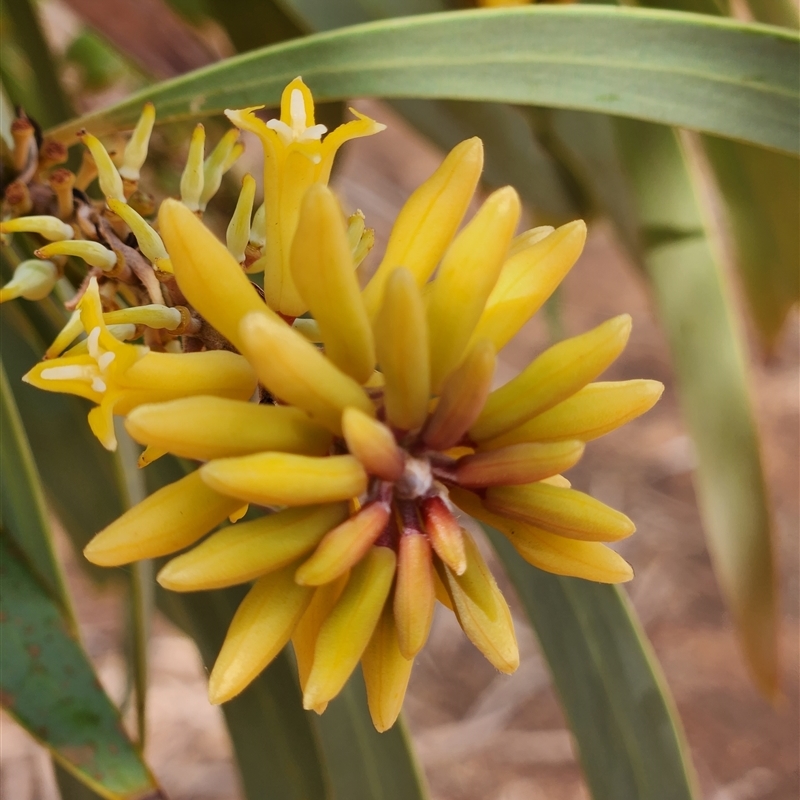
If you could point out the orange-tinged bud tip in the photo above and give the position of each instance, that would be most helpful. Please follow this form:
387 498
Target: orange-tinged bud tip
445 533
414 593
344 546
373 444
517 463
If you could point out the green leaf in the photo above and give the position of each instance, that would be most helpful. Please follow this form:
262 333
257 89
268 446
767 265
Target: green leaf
512 154
22 506
717 76
273 737
49 103
611 688
761 192
362 763
585 146
712 383
49 687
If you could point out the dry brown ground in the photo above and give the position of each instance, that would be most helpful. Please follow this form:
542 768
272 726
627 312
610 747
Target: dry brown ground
480 735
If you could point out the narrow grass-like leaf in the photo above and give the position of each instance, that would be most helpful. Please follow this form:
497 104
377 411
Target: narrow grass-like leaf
609 682
49 687
22 505
717 76
761 192
362 763
707 351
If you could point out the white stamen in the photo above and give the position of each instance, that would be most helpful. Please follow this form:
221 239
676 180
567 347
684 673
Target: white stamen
105 360
297 111
284 132
93 342
314 132
99 385
71 372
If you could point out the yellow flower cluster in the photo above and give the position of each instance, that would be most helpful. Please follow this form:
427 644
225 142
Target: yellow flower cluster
378 427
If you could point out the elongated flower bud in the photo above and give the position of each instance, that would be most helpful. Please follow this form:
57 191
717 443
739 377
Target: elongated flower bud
564 511
402 347
428 220
467 275
526 280
258 230
529 238
168 520
261 627
66 335
517 463
135 151
153 315
220 160
463 397
345 545
386 672
206 428
87 171
591 561
345 634
298 373
414 593
304 638
445 533
323 273
50 228
22 132
482 610
93 253
33 279
238 231
552 377
248 550
373 444
281 479
146 237
107 175
192 176
208 275
61 182
590 413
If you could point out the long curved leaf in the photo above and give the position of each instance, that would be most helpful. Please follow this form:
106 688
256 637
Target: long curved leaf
718 76
22 509
761 193
707 350
610 685
362 763
49 686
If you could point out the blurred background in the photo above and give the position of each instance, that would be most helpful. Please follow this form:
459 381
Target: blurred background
477 734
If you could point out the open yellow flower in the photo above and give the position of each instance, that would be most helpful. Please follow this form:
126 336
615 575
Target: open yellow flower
380 440
295 157
119 376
